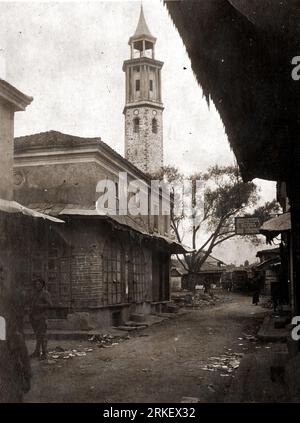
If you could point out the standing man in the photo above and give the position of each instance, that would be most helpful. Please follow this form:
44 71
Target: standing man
256 288
275 294
41 301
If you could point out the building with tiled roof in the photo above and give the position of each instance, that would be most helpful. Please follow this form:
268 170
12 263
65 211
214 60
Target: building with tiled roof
58 174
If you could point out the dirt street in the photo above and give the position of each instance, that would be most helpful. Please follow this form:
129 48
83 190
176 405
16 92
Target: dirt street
194 355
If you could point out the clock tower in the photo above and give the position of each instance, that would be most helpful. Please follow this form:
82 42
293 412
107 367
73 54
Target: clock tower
143 109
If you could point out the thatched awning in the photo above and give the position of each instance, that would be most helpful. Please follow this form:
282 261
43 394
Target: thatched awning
275 226
241 53
281 223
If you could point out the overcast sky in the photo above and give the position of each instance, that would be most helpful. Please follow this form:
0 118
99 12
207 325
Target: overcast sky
69 57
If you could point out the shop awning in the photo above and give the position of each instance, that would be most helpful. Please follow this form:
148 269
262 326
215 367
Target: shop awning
121 222
13 207
267 264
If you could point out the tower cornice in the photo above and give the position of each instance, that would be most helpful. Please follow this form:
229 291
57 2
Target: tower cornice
142 61
143 103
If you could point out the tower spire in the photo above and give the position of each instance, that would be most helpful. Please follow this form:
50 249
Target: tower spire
142 29
142 33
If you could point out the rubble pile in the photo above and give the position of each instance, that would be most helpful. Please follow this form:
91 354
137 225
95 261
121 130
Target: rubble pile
202 300
198 299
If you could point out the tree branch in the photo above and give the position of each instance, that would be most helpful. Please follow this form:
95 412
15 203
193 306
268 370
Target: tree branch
182 263
175 229
224 239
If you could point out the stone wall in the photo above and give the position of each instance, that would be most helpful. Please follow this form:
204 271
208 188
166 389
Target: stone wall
144 148
39 182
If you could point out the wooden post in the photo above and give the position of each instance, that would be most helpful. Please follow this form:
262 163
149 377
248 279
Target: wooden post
295 219
293 187
294 195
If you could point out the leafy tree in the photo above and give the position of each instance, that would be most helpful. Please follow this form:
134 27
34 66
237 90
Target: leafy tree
265 212
223 197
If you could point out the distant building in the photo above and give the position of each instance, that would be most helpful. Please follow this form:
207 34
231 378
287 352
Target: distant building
177 274
210 273
269 268
268 254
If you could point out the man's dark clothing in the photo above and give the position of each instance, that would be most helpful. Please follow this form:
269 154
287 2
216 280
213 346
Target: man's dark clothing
41 301
15 371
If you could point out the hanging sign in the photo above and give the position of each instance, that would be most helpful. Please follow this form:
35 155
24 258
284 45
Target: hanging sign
247 225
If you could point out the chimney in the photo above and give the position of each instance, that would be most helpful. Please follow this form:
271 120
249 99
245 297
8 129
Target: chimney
11 101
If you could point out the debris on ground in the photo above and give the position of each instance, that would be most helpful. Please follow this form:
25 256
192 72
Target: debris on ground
230 361
250 338
225 363
101 341
190 400
60 353
107 340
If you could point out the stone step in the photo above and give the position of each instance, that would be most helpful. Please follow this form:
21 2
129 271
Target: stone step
171 308
131 328
131 323
138 317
